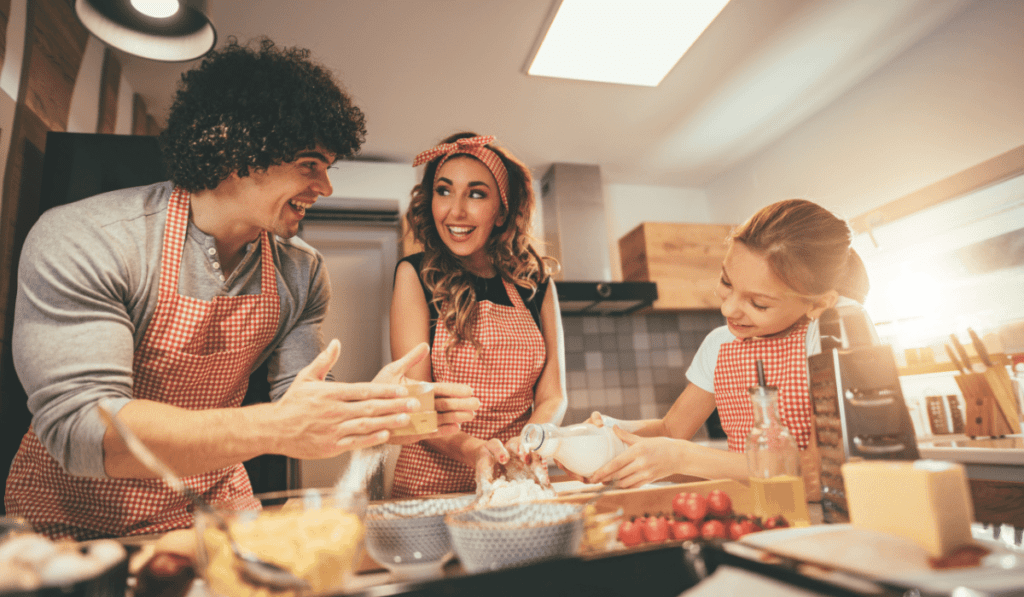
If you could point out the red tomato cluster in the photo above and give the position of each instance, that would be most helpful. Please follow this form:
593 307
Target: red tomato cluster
695 516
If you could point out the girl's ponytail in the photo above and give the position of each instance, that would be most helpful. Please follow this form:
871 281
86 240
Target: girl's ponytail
854 283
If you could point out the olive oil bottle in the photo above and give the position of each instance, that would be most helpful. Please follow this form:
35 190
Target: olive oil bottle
773 458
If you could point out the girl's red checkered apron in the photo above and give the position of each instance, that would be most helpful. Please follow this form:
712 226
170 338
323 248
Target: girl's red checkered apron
502 376
785 366
196 355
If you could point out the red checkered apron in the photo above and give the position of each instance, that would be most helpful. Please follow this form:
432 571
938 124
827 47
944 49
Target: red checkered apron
785 366
196 355
502 376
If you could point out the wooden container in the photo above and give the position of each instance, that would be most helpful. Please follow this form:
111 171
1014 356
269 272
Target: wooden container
655 499
990 403
684 259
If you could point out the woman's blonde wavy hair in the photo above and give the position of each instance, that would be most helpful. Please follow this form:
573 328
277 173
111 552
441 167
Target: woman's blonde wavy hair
510 248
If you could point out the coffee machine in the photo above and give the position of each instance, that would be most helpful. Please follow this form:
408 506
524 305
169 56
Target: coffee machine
859 410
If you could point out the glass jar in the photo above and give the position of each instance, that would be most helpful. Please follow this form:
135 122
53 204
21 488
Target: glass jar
580 449
773 461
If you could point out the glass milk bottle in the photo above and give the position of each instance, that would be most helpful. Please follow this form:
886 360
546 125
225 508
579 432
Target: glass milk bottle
581 449
773 458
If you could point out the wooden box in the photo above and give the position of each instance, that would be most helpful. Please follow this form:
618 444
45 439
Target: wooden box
684 259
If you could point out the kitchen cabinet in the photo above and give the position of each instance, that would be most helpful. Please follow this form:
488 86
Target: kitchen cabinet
684 259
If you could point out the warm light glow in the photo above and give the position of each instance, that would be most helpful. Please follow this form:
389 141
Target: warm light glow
609 41
922 290
158 9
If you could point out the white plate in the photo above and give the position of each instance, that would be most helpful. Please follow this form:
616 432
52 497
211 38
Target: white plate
879 556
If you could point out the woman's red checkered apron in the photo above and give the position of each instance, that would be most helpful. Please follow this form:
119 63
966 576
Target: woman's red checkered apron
503 377
196 355
785 366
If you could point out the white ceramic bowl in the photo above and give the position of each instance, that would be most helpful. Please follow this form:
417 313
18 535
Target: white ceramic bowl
515 535
409 537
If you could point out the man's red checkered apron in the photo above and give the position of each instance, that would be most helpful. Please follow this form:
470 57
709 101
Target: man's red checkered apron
196 355
503 377
785 366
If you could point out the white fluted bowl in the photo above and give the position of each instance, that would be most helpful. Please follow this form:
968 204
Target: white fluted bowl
409 537
515 535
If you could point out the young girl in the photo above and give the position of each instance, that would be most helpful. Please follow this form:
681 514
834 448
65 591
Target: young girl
482 297
785 266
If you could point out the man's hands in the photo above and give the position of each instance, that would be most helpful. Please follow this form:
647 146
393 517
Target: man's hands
452 401
320 419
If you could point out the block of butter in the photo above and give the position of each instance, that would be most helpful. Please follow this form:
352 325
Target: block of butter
424 420
926 501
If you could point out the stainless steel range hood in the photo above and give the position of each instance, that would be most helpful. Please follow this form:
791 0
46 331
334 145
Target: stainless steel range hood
576 233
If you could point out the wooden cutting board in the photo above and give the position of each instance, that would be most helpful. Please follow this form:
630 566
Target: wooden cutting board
658 498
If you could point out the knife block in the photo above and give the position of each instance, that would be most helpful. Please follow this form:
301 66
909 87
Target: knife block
990 403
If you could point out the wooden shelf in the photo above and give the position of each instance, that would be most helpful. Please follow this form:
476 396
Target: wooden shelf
946 366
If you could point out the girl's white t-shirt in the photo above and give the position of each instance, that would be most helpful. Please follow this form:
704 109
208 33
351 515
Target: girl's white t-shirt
702 369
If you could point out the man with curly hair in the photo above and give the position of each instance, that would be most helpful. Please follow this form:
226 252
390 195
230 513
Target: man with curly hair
161 300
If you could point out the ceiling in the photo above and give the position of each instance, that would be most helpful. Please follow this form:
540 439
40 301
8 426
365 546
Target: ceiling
422 69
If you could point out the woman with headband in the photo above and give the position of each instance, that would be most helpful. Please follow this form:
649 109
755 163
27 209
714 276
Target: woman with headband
483 298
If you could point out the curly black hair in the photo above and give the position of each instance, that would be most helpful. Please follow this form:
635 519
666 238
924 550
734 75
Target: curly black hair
248 108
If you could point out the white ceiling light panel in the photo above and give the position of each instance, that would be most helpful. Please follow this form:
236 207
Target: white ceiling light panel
612 41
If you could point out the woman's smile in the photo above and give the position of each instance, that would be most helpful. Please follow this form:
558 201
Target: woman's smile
461 232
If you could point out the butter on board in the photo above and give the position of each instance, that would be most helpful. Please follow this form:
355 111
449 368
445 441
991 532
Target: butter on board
926 501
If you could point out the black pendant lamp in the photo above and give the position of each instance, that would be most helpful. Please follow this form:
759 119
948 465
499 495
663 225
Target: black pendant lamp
164 30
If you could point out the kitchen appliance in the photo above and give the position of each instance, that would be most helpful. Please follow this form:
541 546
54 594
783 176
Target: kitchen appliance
859 409
955 413
937 415
605 298
576 234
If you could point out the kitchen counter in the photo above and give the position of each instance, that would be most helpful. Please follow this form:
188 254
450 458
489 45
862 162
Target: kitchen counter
668 569
650 571
995 471
1008 450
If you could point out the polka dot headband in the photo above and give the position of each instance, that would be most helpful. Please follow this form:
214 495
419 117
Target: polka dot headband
476 147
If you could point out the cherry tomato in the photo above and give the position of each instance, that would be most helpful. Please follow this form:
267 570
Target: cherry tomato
735 530
776 522
714 529
631 533
695 508
719 504
655 529
749 526
679 502
684 530
742 526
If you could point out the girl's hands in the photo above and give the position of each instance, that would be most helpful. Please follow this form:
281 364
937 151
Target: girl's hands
490 453
646 459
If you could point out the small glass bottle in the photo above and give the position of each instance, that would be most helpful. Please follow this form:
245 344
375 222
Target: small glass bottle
581 449
773 458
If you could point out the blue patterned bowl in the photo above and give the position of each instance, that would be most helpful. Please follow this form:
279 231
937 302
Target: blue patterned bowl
515 535
409 537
